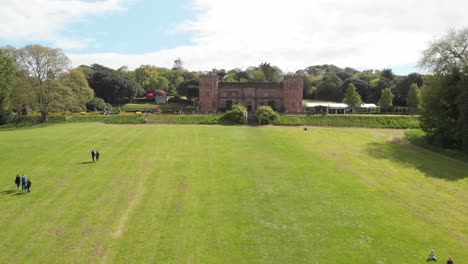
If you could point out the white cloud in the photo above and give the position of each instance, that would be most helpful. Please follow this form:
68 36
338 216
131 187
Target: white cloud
298 33
45 20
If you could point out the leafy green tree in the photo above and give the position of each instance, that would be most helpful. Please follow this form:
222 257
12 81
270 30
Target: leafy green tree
151 78
402 88
256 75
52 95
360 85
43 67
220 73
440 112
22 95
189 89
161 83
309 85
446 52
414 96
111 85
352 97
328 88
237 115
462 102
42 62
270 73
8 70
82 93
386 100
265 115
232 75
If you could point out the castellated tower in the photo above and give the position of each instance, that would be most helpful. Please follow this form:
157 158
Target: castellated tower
292 93
208 93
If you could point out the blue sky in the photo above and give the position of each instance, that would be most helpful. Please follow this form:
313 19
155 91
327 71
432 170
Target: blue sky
144 27
207 34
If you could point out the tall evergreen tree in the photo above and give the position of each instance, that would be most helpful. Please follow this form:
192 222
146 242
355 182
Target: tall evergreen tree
414 97
352 97
386 100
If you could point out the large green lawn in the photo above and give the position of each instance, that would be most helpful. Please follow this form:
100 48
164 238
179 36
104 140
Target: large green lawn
213 194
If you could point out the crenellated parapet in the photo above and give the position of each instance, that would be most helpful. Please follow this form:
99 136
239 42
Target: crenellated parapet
208 76
292 77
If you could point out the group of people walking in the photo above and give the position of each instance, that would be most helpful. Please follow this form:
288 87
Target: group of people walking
95 155
25 183
432 257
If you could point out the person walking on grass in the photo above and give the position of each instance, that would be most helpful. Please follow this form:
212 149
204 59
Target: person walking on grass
24 179
97 155
28 186
93 154
17 181
432 256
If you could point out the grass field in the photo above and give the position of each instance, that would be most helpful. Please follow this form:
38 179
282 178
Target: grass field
213 194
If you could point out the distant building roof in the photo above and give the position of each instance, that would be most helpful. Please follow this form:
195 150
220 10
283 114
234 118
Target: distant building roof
329 105
159 92
369 106
338 105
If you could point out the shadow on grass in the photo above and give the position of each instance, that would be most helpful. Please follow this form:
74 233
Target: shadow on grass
85 162
430 163
8 191
20 193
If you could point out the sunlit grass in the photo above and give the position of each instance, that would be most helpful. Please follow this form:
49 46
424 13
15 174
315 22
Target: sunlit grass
213 194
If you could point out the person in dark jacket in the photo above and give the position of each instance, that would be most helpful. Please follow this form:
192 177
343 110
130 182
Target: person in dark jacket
93 154
17 181
23 182
28 185
97 155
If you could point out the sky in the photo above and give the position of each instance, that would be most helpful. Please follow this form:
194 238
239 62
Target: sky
227 34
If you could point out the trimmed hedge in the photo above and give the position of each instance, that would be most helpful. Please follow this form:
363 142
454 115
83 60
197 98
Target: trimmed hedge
32 120
112 119
138 107
370 121
173 107
185 119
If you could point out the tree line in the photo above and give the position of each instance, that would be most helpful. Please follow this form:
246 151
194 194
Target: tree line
40 78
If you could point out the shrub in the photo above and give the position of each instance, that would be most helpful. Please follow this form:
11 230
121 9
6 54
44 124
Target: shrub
265 115
238 115
6 116
97 104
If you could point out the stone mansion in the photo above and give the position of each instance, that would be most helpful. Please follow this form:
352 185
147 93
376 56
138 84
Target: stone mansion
218 96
